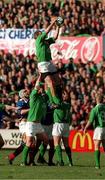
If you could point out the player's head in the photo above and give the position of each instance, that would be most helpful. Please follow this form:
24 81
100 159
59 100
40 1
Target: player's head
99 98
23 93
37 33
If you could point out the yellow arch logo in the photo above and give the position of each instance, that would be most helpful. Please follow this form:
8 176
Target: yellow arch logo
82 140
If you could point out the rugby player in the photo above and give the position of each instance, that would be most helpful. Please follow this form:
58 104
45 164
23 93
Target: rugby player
43 53
97 118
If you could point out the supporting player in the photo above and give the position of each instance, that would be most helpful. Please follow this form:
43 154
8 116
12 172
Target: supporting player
47 124
22 112
97 118
62 120
33 125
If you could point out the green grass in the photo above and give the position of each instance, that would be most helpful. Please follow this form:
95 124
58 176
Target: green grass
83 168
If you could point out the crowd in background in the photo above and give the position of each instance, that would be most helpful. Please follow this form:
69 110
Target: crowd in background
82 81
17 72
79 16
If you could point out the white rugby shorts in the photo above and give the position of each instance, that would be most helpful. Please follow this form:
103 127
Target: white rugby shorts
32 128
22 127
45 67
60 129
99 133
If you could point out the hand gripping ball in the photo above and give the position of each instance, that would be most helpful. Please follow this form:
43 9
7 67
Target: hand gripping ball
59 21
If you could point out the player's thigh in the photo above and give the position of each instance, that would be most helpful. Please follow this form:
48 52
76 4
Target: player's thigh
48 130
57 129
98 133
42 136
57 140
57 133
30 141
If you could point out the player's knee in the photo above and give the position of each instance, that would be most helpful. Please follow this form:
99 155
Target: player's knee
45 141
97 145
29 143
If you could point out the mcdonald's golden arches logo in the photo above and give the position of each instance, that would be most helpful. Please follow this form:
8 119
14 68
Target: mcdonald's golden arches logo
82 140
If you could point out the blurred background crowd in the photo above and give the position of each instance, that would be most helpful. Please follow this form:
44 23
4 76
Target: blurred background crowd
79 16
17 72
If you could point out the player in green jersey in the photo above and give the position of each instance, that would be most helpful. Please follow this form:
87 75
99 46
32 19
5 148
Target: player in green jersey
43 52
97 118
47 124
62 120
33 126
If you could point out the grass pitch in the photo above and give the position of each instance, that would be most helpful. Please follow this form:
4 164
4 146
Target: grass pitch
83 168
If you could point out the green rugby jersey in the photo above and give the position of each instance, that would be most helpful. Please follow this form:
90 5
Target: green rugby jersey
38 107
97 115
42 44
63 114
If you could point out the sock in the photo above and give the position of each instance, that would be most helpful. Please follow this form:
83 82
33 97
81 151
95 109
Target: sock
32 153
25 154
11 156
16 152
97 158
58 152
51 154
42 150
19 150
68 152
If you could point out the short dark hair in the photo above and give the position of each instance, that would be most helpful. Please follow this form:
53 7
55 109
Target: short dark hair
35 34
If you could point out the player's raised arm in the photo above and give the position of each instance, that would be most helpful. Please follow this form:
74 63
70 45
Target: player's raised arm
56 33
8 107
38 83
53 21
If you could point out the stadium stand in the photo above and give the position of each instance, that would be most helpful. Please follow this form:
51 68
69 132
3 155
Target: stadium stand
18 72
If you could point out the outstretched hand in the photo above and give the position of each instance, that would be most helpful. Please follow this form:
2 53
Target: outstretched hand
53 19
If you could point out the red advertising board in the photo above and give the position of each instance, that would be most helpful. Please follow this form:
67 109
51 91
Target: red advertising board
80 142
86 48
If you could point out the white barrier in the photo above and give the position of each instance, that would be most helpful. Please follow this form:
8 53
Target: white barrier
11 137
